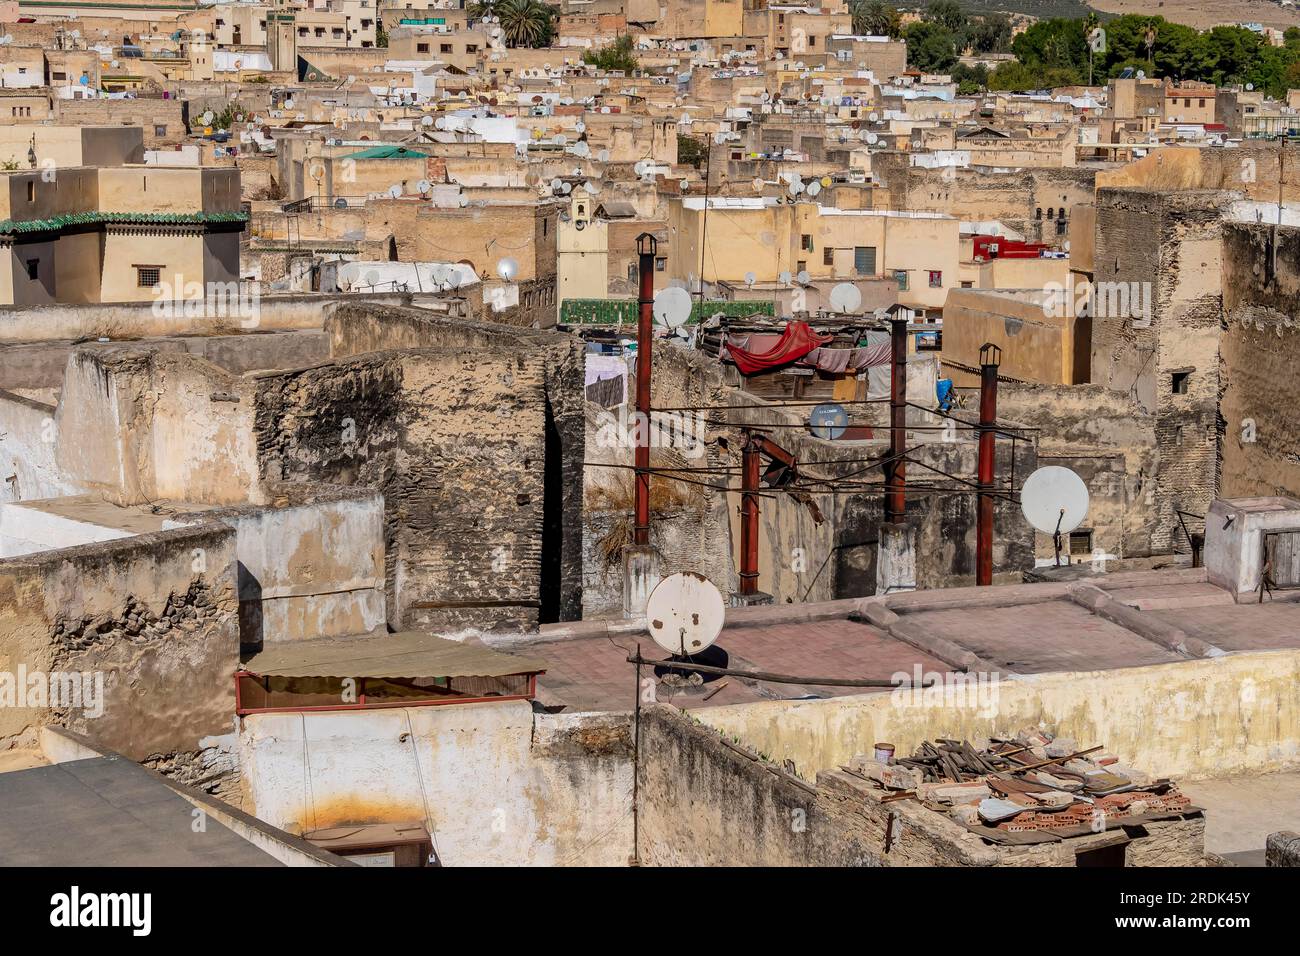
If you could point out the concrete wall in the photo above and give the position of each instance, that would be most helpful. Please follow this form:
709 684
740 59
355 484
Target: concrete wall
496 784
154 611
1204 718
28 444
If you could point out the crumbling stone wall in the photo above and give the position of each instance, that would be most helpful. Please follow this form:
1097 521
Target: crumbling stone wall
1171 243
473 445
1258 360
154 616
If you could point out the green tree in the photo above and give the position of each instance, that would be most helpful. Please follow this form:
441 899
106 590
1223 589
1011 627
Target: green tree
991 33
931 48
524 23
616 56
691 150
947 14
876 18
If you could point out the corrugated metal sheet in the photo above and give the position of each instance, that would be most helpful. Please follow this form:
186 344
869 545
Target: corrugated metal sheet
407 654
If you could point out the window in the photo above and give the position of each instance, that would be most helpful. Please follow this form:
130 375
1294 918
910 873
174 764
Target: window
936 279
900 276
160 130
805 242
422 48
58 76
33 268
31 190
471 47
967 284
828 256
1178 382
864 260
443 47
1080 544
801 266
661 263
146 277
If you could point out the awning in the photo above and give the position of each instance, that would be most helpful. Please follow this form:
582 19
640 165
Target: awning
406 654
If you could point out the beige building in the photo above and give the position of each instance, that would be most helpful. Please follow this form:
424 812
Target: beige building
767 237
117 234
21 147
582 251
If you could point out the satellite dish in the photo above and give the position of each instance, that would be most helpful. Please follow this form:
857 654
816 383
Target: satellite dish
395 190
872 138
750 279
556 184
565 189
1054 500
672 307
846 297
685 614
426 120
580 148
803 278
288 104
814 188
783 278
580 127
829 420
507 269
372 278
603 156
423 186
340 203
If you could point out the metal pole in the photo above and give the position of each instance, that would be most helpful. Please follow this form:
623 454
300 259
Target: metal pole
989 360
644 340
749 518
895 472
636 765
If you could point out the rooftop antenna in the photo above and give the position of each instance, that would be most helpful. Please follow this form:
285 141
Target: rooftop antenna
685 614
1055 501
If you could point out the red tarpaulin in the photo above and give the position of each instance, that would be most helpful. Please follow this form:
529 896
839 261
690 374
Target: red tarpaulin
795 342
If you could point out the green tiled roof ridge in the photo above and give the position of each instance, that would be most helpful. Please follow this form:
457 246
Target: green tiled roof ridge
11 226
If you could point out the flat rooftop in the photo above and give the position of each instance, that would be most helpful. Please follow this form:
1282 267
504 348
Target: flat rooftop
107 811
1140 618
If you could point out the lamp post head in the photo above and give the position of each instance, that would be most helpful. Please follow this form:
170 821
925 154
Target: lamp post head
646 244
990 354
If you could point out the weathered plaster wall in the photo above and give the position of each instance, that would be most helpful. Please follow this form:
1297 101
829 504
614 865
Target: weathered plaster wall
28 441
155 614
1232 714
495 783
310 562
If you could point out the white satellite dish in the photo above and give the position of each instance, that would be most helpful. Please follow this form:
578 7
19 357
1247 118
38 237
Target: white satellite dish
426 120
750 279
603 156
758 184
395 190
803 278
672 307
372 278
1054 500
423 186
685 614
559 139
580 148
580 127
507 269
783 278
872 138
846 297
814 188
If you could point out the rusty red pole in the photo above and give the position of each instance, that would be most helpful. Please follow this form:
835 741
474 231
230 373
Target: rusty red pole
645 244
896 472
990 358
749 517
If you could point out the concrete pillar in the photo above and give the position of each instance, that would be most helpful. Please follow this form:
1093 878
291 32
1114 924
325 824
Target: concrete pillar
896 558
640 575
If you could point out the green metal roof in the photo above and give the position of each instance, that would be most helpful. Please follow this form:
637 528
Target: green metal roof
624 311
9 227
388 152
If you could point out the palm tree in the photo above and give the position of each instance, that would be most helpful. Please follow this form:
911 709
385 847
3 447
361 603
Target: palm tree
876 18
528 23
